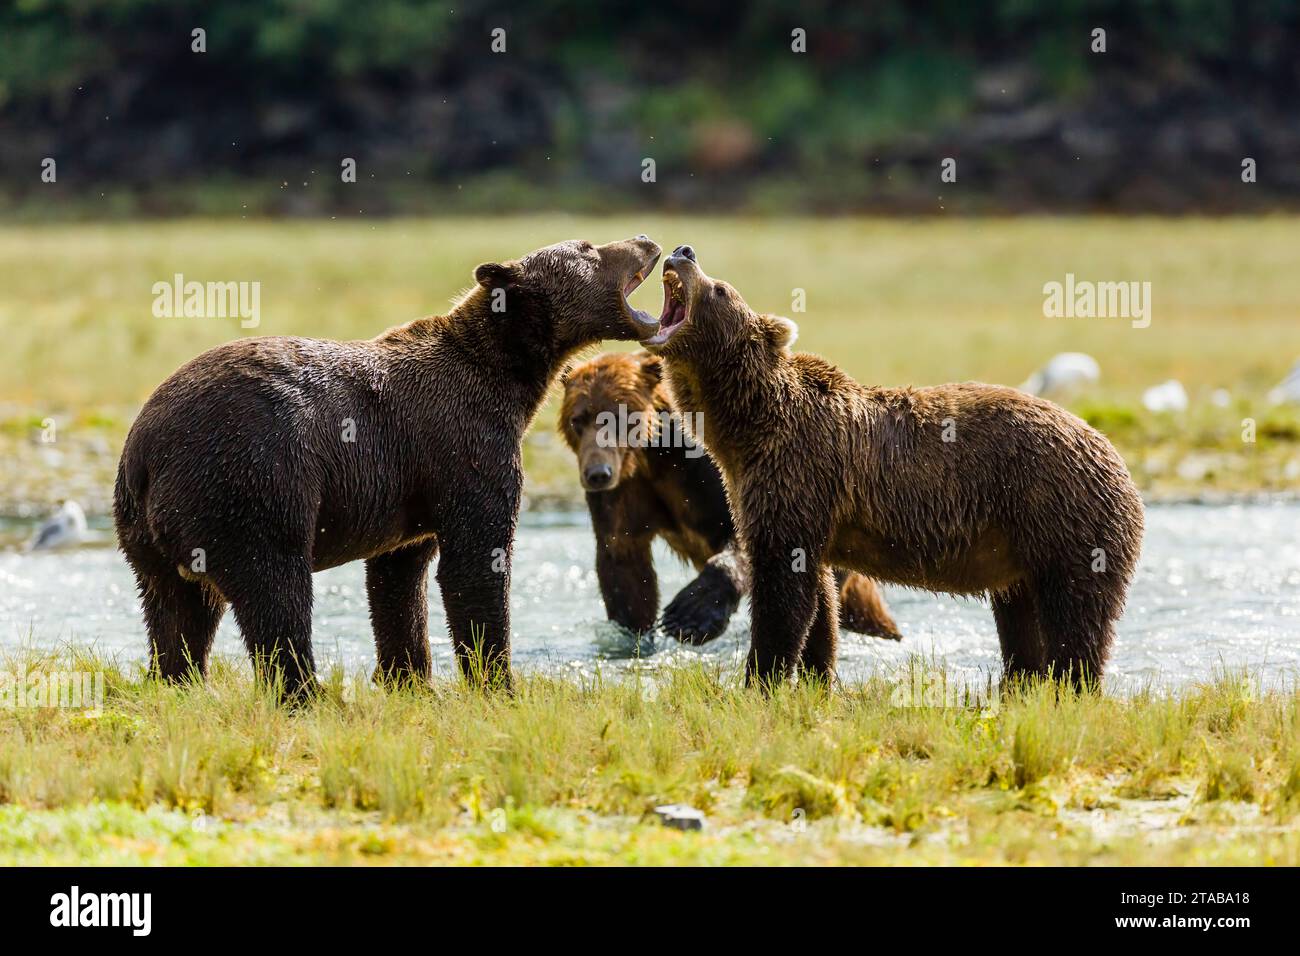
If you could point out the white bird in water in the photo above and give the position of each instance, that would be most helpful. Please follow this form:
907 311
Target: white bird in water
1063 376
65 527
1289 389
1168 396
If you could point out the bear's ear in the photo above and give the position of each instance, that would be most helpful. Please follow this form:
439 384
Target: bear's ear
652 366
494 275
781 332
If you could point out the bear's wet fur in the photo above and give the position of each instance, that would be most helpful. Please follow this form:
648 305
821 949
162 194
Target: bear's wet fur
646 478
266 459
968 488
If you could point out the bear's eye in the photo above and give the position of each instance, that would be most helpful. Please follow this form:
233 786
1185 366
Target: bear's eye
719 291
577 421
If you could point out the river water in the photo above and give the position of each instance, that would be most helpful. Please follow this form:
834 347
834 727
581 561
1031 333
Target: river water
1218 589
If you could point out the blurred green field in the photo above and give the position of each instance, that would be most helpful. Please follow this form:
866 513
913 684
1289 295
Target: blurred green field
891 301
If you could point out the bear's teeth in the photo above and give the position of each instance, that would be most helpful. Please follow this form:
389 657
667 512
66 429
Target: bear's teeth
675 289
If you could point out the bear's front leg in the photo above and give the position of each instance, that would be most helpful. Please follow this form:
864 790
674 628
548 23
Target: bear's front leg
397 586
628 583
783 602
474 576
625 531
702 609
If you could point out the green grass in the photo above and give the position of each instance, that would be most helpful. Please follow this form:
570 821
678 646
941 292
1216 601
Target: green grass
893 302
569 773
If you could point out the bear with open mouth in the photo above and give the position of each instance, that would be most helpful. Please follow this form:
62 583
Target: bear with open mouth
967 488
266 459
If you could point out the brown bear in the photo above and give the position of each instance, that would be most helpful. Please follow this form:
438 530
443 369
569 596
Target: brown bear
266 459
969 489
645 477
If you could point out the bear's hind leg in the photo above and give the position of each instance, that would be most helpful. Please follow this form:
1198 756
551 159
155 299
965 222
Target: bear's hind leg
397 586
818 656
863 608
272 606
181 617
1077 631
1016 614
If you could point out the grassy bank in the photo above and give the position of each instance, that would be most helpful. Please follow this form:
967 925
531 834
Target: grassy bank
893 302
564 773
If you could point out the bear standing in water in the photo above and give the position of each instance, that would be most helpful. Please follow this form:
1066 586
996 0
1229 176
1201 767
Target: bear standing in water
266 459
969 489
646 478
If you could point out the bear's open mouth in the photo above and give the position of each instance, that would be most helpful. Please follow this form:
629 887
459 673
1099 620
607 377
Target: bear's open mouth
643 319
675 312
633 284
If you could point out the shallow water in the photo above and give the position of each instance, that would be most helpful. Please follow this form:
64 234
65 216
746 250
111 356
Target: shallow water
1218 588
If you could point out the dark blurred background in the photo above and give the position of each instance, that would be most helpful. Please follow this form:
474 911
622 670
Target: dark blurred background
585 92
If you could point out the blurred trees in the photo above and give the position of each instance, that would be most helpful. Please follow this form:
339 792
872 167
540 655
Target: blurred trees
732 115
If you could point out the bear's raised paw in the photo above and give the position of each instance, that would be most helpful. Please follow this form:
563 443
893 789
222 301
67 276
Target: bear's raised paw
702 609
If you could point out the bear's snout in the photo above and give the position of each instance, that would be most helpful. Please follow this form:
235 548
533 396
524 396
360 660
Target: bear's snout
598 476
683 252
